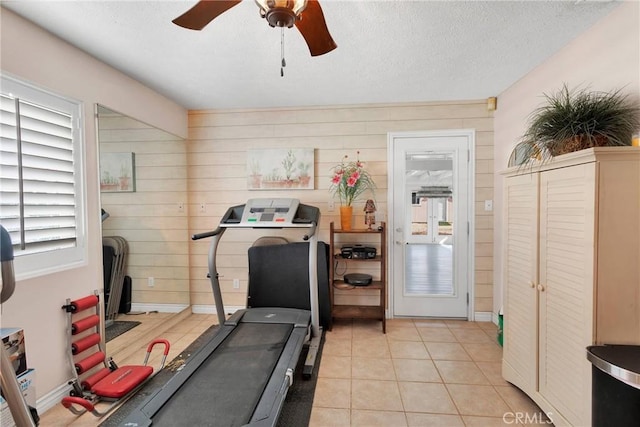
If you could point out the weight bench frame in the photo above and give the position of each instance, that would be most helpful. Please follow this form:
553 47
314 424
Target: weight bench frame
92 383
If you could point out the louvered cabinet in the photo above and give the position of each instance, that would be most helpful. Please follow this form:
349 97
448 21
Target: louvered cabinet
571 274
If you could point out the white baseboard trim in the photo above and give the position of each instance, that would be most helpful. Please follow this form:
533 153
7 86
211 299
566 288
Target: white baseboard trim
211 309
52 398
484 316
160 308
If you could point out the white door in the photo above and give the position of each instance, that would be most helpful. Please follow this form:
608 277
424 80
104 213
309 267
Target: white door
430 189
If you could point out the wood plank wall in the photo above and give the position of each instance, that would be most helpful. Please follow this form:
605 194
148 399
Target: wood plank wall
150 218
217 171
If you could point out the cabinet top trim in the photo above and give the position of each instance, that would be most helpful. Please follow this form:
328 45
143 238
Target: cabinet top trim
589 155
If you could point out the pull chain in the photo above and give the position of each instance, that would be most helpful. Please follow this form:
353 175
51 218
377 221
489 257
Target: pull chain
283 62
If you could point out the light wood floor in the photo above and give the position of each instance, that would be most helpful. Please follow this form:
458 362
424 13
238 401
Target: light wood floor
130 348
421 373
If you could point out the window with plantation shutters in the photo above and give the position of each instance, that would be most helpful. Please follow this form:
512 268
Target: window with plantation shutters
41 201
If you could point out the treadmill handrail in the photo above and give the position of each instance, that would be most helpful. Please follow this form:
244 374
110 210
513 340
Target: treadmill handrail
312 225
206 234
312 231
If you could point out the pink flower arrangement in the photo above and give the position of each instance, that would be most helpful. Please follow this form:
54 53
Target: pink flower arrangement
350 180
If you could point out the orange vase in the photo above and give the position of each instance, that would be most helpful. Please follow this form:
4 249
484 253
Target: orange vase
346 217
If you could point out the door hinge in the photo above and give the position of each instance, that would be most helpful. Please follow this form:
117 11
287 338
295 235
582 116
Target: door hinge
468 156
467 298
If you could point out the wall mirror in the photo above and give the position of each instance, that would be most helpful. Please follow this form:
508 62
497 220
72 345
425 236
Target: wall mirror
143 190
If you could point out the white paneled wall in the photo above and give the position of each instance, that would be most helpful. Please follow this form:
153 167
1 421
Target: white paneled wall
150 219
217 173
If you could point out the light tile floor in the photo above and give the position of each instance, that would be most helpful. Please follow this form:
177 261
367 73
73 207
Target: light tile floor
421 373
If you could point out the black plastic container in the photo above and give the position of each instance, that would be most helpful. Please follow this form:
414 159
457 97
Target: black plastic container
125 298
615 391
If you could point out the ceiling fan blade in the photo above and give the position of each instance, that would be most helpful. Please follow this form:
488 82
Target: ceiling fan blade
314 29
204 12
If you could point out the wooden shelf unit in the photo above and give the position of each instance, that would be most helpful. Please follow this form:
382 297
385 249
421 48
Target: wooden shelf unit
380 284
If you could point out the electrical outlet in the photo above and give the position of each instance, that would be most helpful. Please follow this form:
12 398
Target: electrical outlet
236 283
488 205
331 206
151 282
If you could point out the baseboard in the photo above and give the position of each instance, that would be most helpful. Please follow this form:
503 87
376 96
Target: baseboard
160 308
494 317
52 398
211 309
485 316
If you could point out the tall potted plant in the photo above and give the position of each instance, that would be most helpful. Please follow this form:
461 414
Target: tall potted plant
349 181
573 120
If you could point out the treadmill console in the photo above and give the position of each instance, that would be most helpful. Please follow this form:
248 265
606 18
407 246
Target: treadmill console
269 212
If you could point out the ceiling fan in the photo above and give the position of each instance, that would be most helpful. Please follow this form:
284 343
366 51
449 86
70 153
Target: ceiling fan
305 14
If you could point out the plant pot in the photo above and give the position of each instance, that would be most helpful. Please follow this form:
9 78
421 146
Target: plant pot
109 187
346 217
304 181
124 183
256 180
577 143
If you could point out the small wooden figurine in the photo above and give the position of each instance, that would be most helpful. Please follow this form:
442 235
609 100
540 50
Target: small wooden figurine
369 213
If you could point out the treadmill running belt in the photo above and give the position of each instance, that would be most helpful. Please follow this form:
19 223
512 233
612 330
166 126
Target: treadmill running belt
225 389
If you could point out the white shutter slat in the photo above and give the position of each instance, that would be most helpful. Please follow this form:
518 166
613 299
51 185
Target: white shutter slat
8 125
47 246
48 175
34 142
8 173
43 199
32 113
7 104
44 163
9 215
7 146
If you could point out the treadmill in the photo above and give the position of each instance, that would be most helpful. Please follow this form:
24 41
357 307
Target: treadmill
241 377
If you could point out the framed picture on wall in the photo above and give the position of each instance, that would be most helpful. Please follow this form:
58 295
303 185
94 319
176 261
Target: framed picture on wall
280 168
117 172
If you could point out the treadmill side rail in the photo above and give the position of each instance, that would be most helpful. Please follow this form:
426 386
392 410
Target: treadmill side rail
310 361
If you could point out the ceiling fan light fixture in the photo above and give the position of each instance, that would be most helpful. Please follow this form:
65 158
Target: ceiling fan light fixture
281 13
278 13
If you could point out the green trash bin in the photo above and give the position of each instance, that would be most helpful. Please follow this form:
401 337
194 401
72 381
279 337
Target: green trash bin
500 336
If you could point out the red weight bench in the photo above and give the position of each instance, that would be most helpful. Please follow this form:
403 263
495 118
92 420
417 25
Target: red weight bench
96 377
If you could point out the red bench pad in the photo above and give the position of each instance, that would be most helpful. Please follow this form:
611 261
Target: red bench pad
121 381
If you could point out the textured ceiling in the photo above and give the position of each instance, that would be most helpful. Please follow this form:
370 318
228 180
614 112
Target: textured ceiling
388 51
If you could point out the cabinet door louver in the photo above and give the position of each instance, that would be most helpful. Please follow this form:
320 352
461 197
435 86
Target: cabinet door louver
521 224
566 247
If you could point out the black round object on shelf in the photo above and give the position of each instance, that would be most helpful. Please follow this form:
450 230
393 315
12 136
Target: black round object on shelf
358 279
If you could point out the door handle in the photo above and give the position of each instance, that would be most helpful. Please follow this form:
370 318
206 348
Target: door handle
541 287
532 284
399 230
